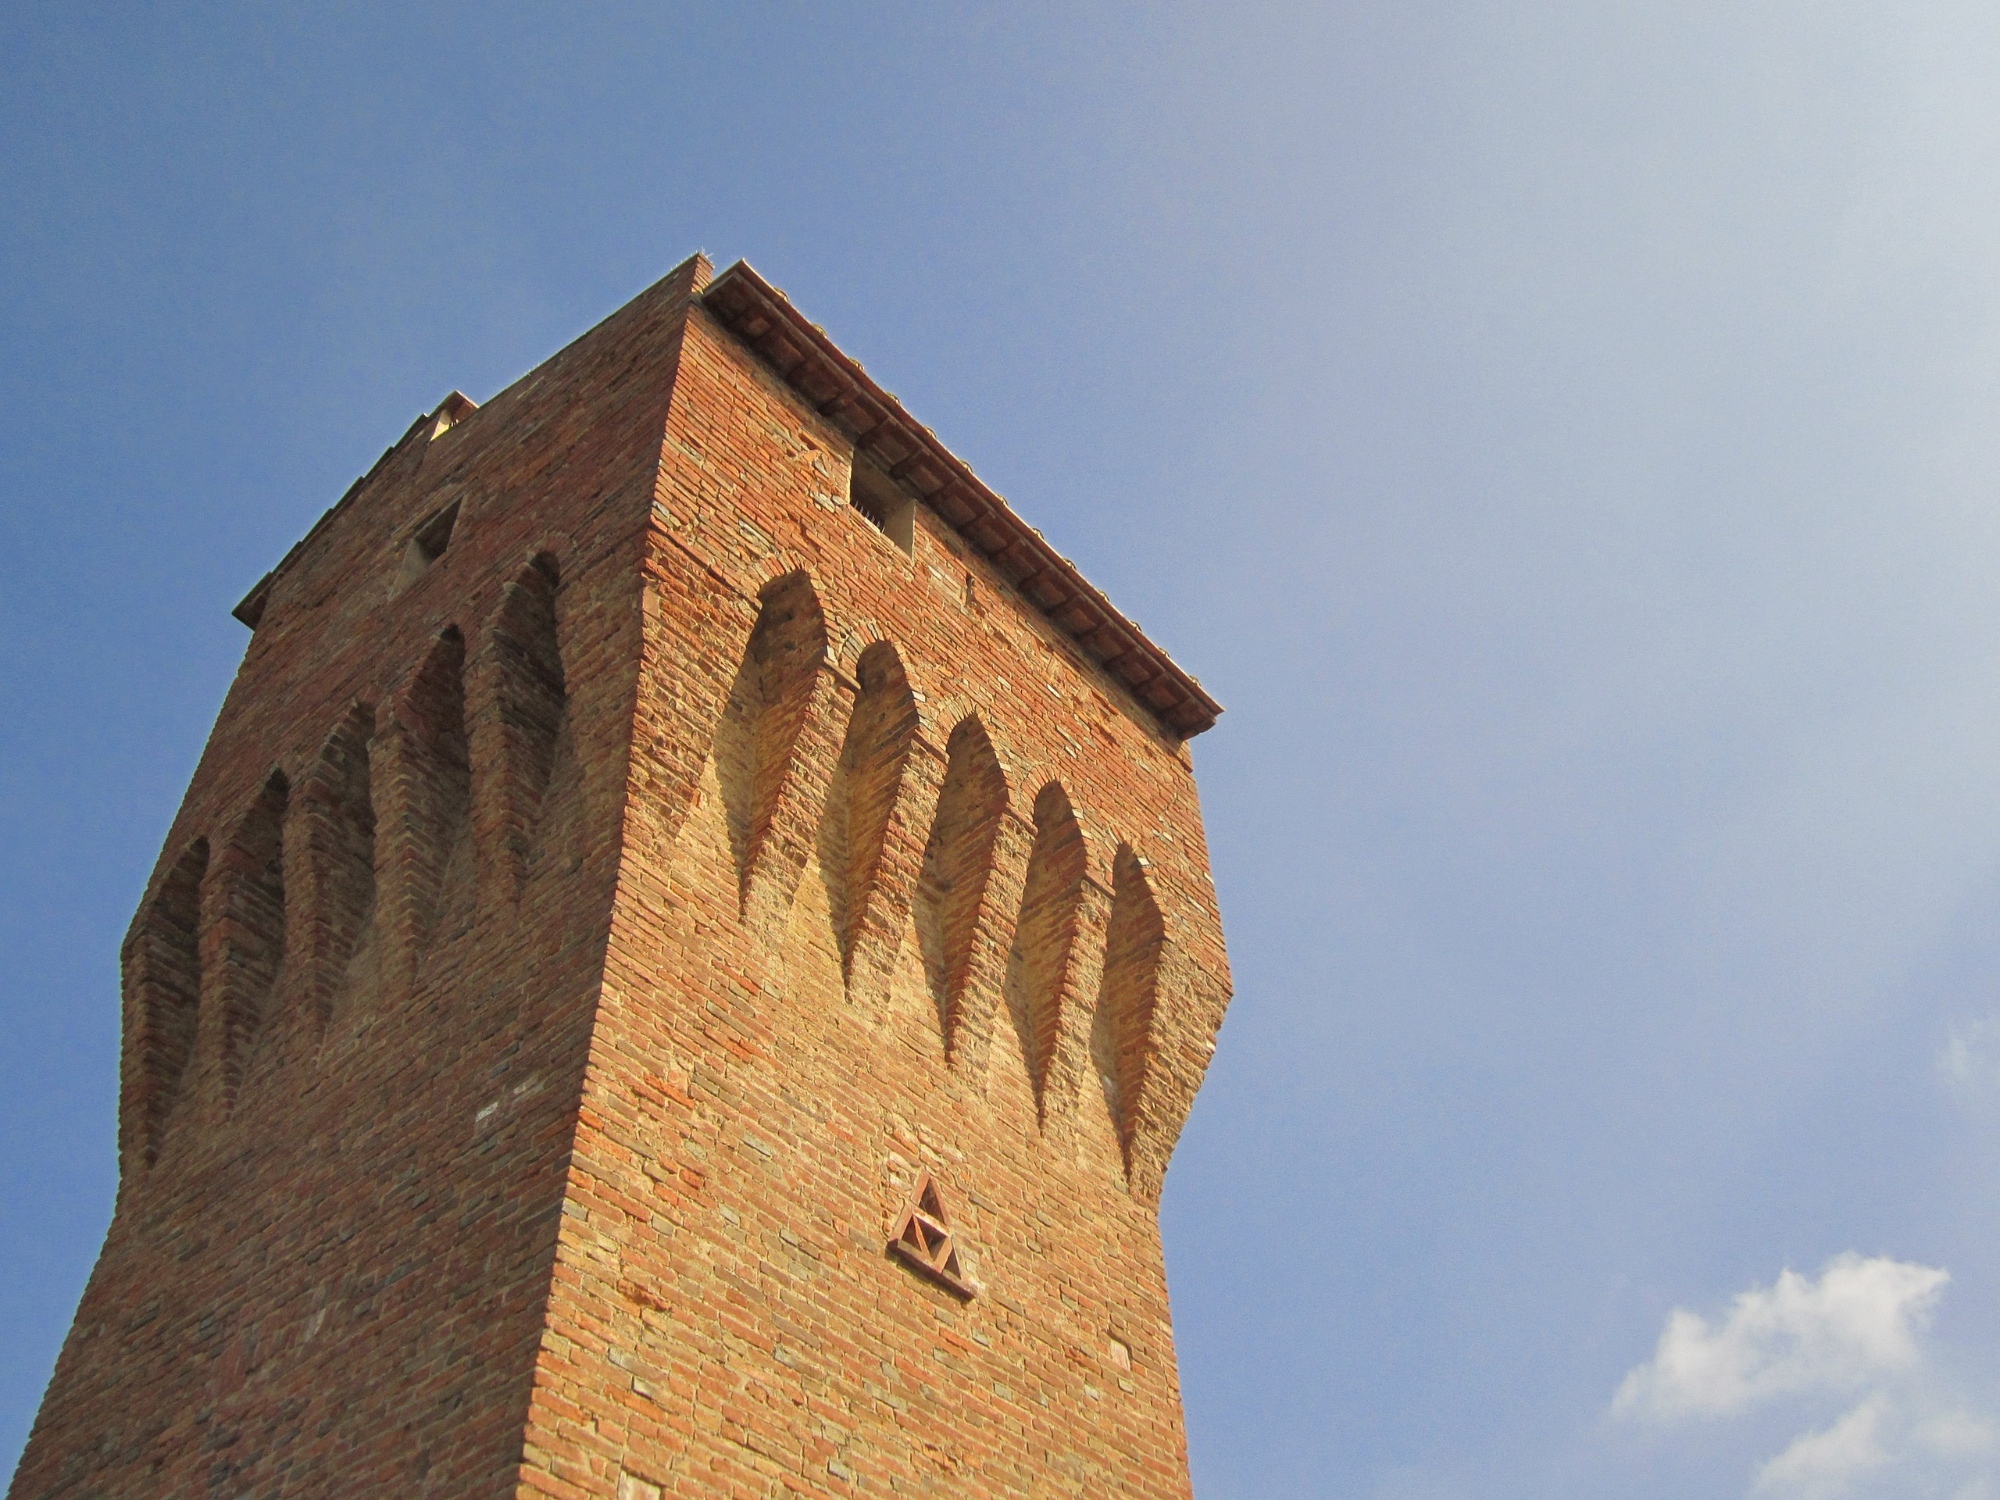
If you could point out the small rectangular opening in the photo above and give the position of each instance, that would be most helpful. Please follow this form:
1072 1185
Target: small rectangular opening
885 504
427 543
435 534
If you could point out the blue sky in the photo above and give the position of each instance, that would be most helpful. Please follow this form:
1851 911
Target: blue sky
1564 437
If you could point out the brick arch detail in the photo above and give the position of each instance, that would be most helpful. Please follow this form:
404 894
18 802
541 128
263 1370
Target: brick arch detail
248 942
519 710
1045 936
866 857
764 572
427 801
162 982
776 747
337 826
1122 1038
966 880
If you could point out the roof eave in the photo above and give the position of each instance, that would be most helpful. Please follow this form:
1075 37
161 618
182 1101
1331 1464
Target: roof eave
799 352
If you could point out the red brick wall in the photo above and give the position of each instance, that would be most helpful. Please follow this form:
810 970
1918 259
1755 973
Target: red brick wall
762 1091
569 953
335 1284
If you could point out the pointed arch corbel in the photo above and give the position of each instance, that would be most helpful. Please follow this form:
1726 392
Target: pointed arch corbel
162 983
776 748
1044 957
684 689
245 949
424 781
974 859
871 845
1165 988
338 829
521 689
1122 1039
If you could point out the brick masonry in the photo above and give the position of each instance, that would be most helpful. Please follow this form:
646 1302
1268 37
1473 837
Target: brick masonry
620 872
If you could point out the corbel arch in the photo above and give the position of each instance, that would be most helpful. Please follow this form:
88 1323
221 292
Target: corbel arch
251 937
428 803
958 863
1038 963
522 683
162 963
1122 1031
338 827
865 799
767 709
784 570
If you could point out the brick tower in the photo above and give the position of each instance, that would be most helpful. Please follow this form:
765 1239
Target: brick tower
679 973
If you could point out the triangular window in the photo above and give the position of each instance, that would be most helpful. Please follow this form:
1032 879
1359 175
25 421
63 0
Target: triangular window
922 1238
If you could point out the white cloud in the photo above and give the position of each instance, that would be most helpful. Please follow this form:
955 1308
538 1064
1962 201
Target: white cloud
1855 1334
1825 1463
1891 1444
1856 1323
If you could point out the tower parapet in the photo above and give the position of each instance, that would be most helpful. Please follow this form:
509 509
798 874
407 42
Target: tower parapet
680 971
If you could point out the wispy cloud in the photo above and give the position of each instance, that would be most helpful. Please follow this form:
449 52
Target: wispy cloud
1855 1332
1968 1064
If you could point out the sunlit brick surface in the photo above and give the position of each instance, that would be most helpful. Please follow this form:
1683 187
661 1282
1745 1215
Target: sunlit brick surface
576 945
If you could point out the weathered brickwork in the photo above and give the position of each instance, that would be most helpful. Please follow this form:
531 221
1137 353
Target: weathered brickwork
620 872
